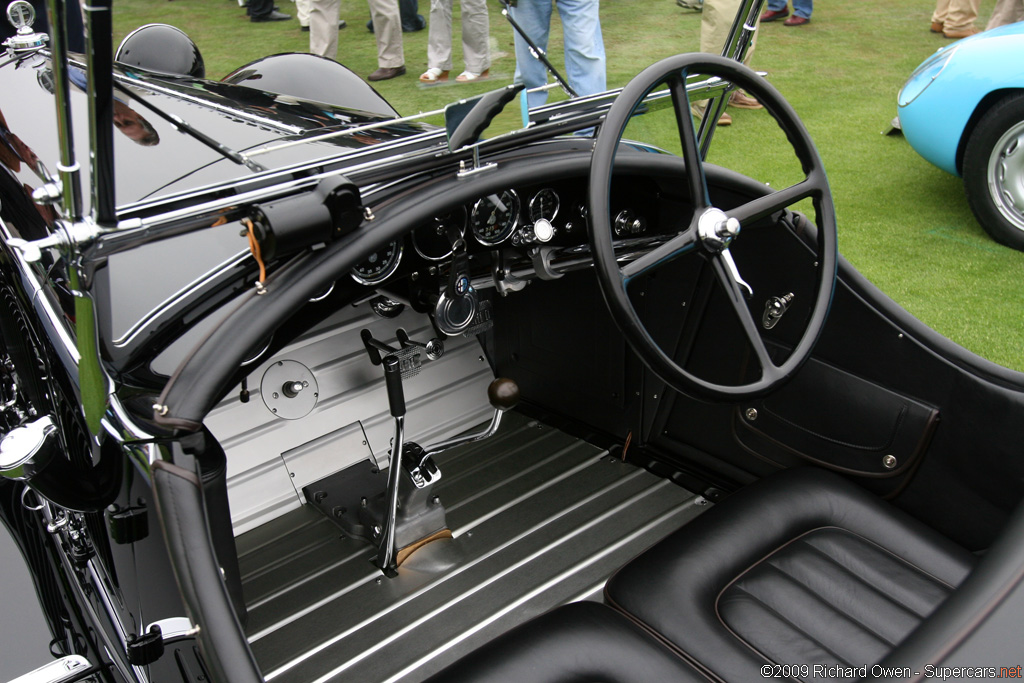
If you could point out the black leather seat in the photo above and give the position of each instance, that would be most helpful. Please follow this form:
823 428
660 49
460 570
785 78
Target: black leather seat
583 641
800 568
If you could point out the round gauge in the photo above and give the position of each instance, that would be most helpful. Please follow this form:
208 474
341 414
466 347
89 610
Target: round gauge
544 205
495 217
379 265
433 241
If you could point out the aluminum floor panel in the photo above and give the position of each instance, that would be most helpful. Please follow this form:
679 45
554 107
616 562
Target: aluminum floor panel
539 518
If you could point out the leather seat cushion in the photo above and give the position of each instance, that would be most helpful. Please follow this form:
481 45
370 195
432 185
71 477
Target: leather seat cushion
800 568
582 641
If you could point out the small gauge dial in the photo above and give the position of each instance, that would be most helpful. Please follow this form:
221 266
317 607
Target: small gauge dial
494 217
544 205
379 265
433 240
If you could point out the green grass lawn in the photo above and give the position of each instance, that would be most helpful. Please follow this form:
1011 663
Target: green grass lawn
902 222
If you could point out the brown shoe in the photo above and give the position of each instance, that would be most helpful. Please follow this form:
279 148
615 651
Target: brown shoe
386 72
960 33
936 27
796 21
725 120
741 100
772 15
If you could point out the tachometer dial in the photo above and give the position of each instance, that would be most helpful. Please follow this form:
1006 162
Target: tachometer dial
379 265
433 241
544 205
495 217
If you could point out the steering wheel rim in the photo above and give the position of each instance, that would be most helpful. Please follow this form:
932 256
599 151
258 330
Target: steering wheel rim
710 229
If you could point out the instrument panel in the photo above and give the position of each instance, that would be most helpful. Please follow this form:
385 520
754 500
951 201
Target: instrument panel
520 219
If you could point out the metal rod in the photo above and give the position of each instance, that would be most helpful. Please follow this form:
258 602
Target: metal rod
100 86
386 551
70 172
737 45
536 51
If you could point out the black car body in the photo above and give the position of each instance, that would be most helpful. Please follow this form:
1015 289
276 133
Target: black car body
210 360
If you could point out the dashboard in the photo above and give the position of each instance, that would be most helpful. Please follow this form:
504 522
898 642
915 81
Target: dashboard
518 223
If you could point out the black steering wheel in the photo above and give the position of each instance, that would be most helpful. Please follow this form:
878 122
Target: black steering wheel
710 230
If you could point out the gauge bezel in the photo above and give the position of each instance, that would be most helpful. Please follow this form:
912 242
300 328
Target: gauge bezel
554 214
462 233
509 228
386 273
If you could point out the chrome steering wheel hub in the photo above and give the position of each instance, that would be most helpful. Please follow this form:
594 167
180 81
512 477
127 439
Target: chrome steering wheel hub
716 229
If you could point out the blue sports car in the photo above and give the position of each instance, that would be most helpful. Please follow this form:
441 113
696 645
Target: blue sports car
963 110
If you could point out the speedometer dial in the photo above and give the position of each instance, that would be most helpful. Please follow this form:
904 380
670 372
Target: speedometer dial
379 265
495 217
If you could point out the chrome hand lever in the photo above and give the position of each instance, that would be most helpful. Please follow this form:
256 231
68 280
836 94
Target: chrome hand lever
386 550
503 394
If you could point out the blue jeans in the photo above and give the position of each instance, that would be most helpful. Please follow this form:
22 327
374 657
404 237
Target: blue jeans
801 8
584 46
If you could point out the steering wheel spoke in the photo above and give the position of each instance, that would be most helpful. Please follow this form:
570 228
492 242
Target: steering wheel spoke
762 207
675 247
696 181
727 274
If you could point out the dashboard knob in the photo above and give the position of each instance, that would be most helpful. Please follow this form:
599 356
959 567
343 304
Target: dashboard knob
543 231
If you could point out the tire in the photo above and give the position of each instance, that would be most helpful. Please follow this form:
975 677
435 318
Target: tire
993 171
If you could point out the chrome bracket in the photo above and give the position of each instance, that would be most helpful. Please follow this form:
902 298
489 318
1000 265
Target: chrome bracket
774 309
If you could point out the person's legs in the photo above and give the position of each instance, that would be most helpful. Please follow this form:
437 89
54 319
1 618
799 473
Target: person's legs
439 35
1006 12
534 17
941 10
412 20
323 27
961 15
715 22
803 8
777 5
259 8
476 30
584 45
302 12
387 29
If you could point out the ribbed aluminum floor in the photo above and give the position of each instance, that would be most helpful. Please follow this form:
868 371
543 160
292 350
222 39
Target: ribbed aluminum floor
539 518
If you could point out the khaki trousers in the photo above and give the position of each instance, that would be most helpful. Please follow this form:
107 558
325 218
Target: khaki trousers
956 15
475 32
715 22
323 27
387 29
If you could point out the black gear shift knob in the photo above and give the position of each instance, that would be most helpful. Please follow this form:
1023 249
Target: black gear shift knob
503 394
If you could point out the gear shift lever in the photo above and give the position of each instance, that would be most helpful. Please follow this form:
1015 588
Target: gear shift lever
503 394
